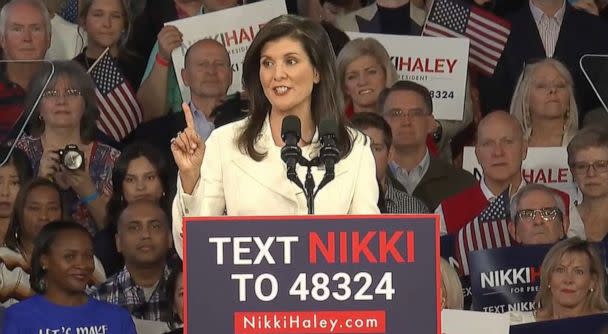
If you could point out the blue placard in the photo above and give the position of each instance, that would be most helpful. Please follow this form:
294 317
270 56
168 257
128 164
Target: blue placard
506 279
594 324
352 274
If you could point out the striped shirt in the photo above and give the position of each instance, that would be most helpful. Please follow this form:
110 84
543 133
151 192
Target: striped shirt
400 202
121 290
548 27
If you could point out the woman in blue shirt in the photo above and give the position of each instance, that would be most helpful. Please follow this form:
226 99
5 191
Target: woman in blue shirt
62 264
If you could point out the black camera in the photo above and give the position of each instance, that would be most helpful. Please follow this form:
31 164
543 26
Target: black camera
71 157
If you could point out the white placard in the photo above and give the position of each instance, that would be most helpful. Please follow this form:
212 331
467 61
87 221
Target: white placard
235 28
546 165
440 64
469 322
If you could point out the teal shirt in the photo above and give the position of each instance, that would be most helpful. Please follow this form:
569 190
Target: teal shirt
174 96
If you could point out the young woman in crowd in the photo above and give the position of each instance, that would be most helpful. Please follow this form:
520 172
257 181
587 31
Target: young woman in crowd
13 175
141 172
572 283
544 104
38 203
62 266
107 24
588 161
288 70
67 115
175 286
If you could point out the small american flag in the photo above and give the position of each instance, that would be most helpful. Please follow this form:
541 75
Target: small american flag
119 112
487 32
488 230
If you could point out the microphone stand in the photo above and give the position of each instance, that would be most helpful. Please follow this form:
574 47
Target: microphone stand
309 183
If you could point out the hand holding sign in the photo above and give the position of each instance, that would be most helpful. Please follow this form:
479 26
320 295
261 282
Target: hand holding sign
188 150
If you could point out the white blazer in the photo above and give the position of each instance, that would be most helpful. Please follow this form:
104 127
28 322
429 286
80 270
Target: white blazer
234 183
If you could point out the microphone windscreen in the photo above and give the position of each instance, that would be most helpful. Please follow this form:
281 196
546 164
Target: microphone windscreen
291 126
328 127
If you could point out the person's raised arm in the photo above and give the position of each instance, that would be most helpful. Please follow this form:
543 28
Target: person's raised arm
188 150
152 93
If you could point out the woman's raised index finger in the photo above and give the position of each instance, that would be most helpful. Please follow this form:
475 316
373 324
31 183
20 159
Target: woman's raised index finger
188 116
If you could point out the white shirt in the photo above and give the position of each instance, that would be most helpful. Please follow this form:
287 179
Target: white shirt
548 27
410 179
66 42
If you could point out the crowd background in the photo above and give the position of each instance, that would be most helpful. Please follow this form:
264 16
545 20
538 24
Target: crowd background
113 211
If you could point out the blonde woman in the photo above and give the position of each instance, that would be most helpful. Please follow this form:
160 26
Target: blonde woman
451 289
572 284
545 105
364 70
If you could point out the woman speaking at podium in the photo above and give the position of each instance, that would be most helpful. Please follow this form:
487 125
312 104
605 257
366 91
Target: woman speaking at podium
288 70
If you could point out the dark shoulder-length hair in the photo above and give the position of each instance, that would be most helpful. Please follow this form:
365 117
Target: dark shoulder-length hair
327 100
15 228
177 271
20 161
42 246
130 153
79 79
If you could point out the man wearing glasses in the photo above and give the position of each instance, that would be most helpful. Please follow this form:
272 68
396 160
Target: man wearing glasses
538 216
408 109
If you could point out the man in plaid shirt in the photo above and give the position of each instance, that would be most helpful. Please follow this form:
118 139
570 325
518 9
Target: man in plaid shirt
144 239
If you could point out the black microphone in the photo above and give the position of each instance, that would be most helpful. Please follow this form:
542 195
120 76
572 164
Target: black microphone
330 154
291 133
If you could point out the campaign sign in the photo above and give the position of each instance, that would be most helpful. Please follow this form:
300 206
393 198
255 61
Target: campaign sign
439 64
235 28
312 274
546 165
506 279
593 324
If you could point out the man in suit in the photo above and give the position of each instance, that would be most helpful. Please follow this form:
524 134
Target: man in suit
399 17
408 108
547 28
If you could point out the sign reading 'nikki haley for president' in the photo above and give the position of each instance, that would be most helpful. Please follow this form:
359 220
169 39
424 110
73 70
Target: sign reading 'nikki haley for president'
314 274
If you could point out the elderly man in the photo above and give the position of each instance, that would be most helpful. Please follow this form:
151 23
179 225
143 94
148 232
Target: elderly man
538 216
479 215
25 34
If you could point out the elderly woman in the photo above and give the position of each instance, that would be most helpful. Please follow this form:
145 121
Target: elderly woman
63 146
544 104
364 70
571 283
588 161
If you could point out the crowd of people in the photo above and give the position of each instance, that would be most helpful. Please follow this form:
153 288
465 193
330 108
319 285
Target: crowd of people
92 196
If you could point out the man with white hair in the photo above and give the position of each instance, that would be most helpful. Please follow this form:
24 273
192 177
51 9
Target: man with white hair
25 34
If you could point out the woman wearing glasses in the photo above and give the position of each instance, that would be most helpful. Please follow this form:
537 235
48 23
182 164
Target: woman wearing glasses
67 115
588 160
544 104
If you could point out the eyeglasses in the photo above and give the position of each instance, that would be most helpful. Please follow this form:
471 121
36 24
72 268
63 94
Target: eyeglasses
546 214
582 168
412 113
53 93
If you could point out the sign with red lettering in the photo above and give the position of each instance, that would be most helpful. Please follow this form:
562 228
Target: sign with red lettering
546 165
313 274
439 64
506 279
234 28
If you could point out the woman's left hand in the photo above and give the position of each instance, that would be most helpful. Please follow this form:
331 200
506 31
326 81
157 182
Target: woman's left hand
79 180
